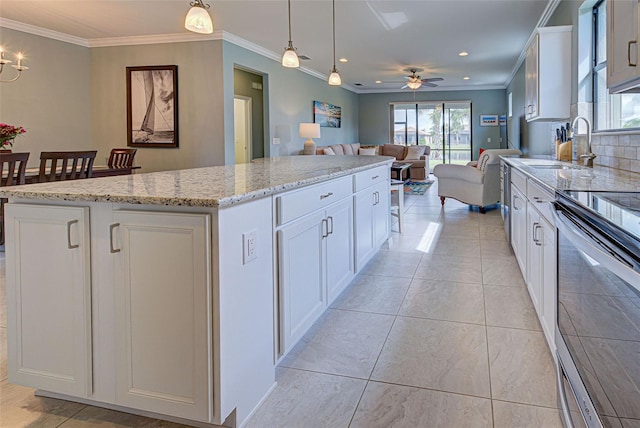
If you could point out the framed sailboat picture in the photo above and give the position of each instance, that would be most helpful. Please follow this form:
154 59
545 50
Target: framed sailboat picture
152 106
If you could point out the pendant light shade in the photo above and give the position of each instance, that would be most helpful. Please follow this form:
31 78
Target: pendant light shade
198 19
334 77
290 57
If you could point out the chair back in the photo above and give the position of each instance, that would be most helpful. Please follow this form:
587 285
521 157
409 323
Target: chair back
12 168
59 166
122 158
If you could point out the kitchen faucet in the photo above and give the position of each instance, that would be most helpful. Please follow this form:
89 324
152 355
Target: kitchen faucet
588 157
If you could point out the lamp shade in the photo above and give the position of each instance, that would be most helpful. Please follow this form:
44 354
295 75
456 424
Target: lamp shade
198 20
414 85
290 58
309 130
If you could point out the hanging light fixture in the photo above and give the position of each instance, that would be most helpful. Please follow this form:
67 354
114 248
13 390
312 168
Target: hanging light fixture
334 77
19 67
290 57
414 85
198 19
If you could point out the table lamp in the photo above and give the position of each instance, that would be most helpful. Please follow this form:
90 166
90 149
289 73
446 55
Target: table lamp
309 131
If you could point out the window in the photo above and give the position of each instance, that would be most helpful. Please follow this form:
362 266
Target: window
444 126
611 111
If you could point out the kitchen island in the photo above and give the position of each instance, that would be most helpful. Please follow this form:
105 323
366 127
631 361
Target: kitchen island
174 294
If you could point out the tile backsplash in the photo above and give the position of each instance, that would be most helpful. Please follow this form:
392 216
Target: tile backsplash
620 151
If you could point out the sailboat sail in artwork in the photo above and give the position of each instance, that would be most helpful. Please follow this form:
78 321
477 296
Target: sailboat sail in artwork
153 106
148 122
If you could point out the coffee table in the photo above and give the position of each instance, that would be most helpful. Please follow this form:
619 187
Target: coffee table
399 168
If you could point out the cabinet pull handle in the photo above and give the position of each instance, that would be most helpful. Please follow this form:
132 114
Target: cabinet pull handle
631 42
539 200
325 226
515 198
111 248
536 227
69 244
330 231
375 177
326 195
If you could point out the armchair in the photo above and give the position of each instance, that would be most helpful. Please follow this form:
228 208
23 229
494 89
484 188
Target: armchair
473 184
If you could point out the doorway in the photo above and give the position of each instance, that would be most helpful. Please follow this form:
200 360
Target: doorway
242 128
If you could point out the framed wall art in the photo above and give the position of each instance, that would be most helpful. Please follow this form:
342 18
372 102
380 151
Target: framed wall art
152 106
327 115
488 120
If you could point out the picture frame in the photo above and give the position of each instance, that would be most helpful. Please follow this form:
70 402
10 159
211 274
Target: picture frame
152 106
488 120
327 115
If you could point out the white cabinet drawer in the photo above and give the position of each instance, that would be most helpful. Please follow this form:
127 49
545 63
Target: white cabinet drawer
367 178
541 199
300 202
519 180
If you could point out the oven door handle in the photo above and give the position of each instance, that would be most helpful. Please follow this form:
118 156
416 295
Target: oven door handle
606 255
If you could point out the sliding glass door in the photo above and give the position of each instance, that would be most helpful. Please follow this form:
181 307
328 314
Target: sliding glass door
444 126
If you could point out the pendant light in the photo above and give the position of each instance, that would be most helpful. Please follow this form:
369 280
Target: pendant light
334 77
290 57
198 19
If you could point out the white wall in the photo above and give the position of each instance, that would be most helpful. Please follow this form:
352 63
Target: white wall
52 99
200 106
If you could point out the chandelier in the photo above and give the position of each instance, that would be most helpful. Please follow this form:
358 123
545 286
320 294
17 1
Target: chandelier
19 66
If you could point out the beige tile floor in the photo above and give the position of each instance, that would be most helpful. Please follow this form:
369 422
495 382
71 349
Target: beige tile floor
437 331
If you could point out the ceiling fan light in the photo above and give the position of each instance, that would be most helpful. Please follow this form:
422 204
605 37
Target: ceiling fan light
334 78
198 19
414 85
290 57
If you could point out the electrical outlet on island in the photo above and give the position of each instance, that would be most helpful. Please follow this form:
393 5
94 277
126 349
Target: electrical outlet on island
249 246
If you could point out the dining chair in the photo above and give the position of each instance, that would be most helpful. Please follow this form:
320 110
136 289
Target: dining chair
121 158
12 172
73 165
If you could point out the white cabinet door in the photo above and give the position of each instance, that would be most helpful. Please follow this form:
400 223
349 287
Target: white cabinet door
622 44
339 248
519 228
365 246
49 298
163 306
531 79
381 213
301 274
372 211
534 258
549 281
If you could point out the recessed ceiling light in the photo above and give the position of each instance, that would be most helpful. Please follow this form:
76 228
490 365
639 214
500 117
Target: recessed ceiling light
343 60
463 53
378 81
466 77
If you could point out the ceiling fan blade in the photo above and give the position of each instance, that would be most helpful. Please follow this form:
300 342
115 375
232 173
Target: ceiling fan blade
405 86
431 85
432 79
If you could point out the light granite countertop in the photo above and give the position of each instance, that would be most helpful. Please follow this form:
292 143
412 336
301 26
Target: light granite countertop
571 176
216 186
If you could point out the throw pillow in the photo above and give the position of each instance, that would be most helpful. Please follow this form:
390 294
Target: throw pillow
414 152
329 151
367 152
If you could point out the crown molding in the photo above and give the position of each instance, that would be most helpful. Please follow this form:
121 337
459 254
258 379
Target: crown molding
154 39
438 89
39 31
544 19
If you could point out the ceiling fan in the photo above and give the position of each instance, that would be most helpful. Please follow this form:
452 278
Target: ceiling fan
415 82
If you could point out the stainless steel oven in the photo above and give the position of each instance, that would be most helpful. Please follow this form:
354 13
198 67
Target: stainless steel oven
598 327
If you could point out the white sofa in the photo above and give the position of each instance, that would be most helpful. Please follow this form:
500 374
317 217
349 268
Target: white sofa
477 183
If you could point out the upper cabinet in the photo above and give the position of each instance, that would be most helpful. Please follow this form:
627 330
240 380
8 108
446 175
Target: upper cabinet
623 72
548 74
